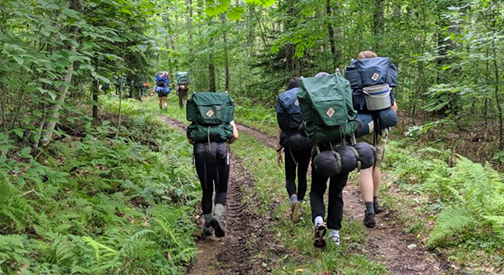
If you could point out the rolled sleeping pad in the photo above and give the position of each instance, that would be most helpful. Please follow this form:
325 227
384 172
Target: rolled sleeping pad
387 118
367 154
330 163
210 153
366 125
349 158
326 164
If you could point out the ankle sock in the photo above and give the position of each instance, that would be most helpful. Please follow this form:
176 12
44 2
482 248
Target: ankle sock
293 199
319 219
370 207
333 232
218 210
374 199
207 217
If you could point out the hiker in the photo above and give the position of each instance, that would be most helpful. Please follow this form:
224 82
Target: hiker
211 132
183 80
297 148
375 102
162 88
330 120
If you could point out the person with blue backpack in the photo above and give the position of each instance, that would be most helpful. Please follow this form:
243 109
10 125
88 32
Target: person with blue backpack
162 88
372 79
297 148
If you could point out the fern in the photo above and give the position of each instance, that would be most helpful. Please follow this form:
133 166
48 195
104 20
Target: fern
450 222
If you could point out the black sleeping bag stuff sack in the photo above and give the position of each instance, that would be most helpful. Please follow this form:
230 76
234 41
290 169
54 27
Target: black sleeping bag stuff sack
367 154
344 159
295 141
213 152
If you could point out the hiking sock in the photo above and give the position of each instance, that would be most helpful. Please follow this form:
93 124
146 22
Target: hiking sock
207 217
370 207
293 199
219 209
376 205
319 219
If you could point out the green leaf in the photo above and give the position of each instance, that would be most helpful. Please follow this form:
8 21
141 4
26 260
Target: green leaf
25 153
234 15
211 11
19 60
19 132
445 68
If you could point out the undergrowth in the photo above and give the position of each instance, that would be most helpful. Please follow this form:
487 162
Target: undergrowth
96 204
467 198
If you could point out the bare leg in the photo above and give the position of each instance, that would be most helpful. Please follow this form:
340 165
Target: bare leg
366 184
377 175
160 102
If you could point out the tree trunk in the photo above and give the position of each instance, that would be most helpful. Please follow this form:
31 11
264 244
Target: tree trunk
48 131
330 29
377 22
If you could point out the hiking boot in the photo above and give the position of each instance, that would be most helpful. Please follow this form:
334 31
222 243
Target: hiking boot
369 220
296 211
218 225
335 237
320 231
377 208
207 229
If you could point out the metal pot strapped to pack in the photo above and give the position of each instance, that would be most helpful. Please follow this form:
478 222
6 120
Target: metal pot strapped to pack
344 159
377 97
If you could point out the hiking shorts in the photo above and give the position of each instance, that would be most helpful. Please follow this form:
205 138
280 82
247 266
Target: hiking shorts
381 144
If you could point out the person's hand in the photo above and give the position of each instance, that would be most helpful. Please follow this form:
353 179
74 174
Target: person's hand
279 158
394 107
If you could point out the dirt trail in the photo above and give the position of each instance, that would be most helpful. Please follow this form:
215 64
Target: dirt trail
248 247
387 243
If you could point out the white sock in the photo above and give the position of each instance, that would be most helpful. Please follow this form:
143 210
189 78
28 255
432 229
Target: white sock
333 232
293 199
319 219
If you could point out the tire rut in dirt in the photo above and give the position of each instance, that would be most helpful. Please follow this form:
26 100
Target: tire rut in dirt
248 246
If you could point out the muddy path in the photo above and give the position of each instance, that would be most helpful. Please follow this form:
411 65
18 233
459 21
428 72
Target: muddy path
248 247
387 243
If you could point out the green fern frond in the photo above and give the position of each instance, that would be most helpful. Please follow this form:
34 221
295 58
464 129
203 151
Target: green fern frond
450 222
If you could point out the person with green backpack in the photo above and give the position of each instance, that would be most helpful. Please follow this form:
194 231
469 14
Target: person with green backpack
297 148
211 132
330 120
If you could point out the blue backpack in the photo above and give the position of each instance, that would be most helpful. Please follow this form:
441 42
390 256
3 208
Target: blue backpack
289 120
162 83
369 72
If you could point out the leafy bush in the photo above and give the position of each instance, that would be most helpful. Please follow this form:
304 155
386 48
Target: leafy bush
96 205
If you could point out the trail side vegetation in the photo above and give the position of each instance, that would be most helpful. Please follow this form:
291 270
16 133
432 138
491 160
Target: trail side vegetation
92 182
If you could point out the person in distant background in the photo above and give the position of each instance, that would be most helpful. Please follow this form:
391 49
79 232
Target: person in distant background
162 88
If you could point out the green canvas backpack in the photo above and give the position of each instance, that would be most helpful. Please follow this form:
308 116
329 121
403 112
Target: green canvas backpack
210 114
327 109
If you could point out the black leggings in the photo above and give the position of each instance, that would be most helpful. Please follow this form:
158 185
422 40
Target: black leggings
303 159
335 207
217 173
